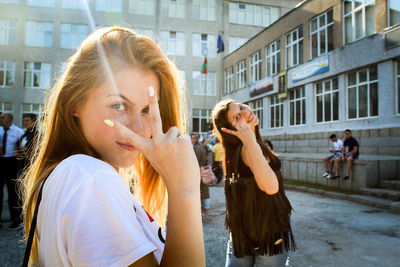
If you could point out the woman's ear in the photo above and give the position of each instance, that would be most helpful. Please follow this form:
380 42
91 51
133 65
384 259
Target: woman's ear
74 111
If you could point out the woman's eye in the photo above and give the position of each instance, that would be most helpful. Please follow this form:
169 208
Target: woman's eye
146 110
237 117
119 107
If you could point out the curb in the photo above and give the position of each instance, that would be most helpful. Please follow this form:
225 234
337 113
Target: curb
386 204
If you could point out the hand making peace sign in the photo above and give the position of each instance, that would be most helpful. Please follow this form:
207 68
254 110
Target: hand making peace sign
244 133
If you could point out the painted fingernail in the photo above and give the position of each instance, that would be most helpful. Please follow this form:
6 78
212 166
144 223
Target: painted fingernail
151 91
230 119
222 128
109 123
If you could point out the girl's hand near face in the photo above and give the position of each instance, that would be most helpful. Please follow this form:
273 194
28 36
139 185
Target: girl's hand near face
244 133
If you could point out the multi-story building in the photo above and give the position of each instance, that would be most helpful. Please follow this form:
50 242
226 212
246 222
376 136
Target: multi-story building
37 36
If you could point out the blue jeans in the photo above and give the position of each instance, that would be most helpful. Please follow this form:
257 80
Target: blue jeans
258 261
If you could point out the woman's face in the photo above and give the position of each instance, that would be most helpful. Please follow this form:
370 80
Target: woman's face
242 114
126 102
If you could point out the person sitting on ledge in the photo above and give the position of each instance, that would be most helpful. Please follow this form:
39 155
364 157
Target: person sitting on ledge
331 159
353 153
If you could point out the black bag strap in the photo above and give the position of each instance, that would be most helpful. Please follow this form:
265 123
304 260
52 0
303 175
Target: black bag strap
33 228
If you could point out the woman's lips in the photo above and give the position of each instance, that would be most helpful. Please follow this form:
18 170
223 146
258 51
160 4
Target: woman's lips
127 147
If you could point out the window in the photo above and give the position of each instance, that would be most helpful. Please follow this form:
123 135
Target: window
204 84
273 58
204 44
321 34
394 12
109 6
7 73
173 8
358 17
327 100
9 1
294 47
37 75
145 32
229 80
142 7
398 85
73 4
6 107
201 120
297 106
44 3
241 74
362 89
30 108
276 112
235 43
8 32
72 35
173 43
39 34
204 9
252 14
257 107
255 66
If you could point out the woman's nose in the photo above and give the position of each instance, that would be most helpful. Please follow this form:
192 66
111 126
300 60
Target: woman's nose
136 123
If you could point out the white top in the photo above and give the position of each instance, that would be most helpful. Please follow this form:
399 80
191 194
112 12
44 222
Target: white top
88 217
338 145
13 135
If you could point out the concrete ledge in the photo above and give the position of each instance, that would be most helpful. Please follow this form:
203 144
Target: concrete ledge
366 200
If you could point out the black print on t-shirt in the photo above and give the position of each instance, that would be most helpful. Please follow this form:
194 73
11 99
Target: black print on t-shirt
160 235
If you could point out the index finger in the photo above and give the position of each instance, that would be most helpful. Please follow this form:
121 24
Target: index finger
156 123
131 137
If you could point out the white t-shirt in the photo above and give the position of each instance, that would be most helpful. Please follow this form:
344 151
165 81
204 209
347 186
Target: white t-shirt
88 217
338 145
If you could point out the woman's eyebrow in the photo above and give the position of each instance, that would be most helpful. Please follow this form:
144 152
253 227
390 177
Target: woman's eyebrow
123 97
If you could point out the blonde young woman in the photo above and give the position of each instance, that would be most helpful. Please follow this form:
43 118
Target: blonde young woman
117 105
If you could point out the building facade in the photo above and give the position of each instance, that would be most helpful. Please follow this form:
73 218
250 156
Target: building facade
323 67
37 36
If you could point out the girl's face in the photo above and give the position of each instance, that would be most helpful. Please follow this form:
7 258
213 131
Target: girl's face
243 115
127 104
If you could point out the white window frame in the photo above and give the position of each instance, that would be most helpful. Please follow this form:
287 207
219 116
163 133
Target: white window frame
273 58
199 114
328 26
229 87
254 15
70 39
146 32
241 74
277 105
3 107
206 83
322 94
235 43
34 108
255 66
142 7
299 99
173 43
357 85
203 44
68 4
114 6
44 75
294 45
389 17
174 8
361 8
10 32
258 109
5 68
41 3
204 12
41 30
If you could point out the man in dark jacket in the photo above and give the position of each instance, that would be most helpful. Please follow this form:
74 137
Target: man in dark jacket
352 153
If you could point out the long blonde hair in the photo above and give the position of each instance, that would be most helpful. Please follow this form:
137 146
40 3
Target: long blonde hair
61 136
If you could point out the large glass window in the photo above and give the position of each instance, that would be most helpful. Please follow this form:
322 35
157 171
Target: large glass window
235 43
255 15
228 80
73 4
241 74
145 32
294 47
72 35
321 34
39 34
44 3
273 58
204 44
37 75
7 73
173 43
173 8
6 107
142 7
297 106
257 107
204 9
201 120
8 32
255 66
30 108
394 12
358 17
362 93
327 100
204 84
109 6
276 112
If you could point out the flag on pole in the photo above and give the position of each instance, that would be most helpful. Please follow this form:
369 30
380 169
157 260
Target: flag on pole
204 67
220 44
